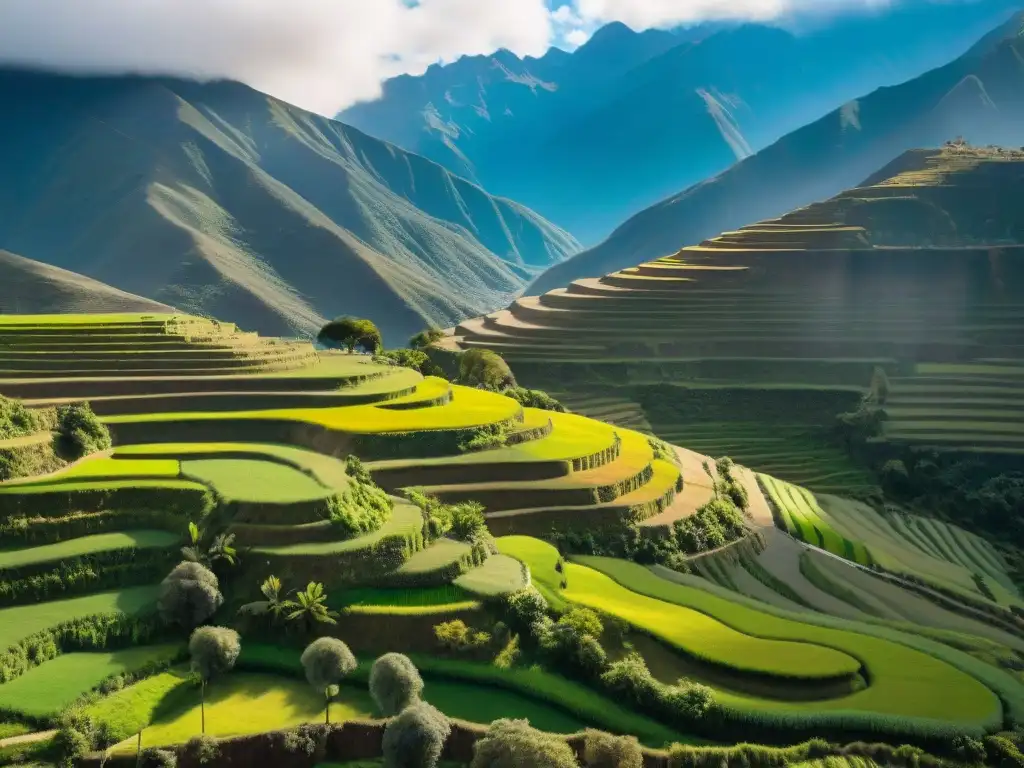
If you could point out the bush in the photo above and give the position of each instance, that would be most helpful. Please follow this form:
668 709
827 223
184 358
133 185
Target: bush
486 369
463 520
583 620
415 738
602 750
304 739
566 646
424 339
395 683
362 507
214 651
158 758
327 661
534 398
203 750
514 744
523 608
714 523
79 432
189 595
455 635
629 680
71 743
16 420
410 358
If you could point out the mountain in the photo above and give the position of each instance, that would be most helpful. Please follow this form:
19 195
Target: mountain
27 286
980 96
750 343
590 137
223 201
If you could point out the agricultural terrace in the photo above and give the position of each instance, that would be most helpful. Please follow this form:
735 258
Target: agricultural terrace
890 676
784 321
382 490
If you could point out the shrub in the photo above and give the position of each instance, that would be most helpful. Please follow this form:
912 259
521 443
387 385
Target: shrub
425 338
203 750
304 739
455 635
158 758
514 744
566 646
602 750
1002 753
71 743
484 438
523 608
362 507
79 432
968 750
534 398
485 368
16 420
395 683
628 679
189 595
410 358
327 661
582 620
415 738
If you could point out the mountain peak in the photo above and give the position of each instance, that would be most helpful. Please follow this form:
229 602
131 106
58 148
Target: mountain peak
609 34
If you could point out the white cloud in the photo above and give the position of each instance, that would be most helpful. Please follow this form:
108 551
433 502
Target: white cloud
577 37
318 54
326 54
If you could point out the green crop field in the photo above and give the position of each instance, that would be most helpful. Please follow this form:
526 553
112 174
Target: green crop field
45 690
21 621
498 575
541 558
86 545
905 682
247 480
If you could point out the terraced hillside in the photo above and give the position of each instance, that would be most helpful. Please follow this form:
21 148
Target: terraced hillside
917 272
256 439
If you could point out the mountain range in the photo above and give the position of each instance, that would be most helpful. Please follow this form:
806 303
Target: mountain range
218 199
979 96
590 137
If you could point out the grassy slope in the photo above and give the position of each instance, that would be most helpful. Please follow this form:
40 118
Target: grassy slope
45 690
87 545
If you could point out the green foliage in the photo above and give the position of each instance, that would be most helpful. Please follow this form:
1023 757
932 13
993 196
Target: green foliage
158 758
395 683
534 398
304 739
514 744
463 520
189 595
310 607
327 662
484 438
523 608
1001 752
273 606
16 420
203 750
582 620
410 358
79 432
485 368
714 523
416 737
220 549
567 647
351 332
214 651
629 680
362 507
602 750
456 635
425 338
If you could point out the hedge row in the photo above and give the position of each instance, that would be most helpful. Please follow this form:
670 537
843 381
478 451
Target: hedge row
90 573
600 458
99 632
191 503
37 531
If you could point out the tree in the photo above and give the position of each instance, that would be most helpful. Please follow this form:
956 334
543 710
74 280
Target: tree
274 606
351 332
327 662
513 743
395 683
584 621
424 339
79 432
310 606
214 651
416 737
486 369
189 595
602 750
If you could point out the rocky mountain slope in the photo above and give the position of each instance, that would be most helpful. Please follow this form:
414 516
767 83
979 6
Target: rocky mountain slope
220 200
979 96
591 137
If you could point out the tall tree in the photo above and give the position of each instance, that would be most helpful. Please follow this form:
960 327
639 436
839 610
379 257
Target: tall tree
327 662
214 651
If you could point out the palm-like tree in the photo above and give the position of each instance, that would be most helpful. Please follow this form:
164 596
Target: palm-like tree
274 606
222 548
310 605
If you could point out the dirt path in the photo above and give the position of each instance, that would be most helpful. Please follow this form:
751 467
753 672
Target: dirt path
27 738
